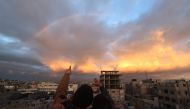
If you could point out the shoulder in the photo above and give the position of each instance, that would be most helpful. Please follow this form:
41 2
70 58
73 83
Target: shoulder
57 106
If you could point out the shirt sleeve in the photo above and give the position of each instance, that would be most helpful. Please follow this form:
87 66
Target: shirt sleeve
63 86
61 92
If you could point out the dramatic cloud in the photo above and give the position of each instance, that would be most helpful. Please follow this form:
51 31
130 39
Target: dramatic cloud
158 40
132 36
81 41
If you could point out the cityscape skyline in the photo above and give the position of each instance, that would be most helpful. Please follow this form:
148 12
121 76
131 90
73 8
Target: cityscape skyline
40 39
135 94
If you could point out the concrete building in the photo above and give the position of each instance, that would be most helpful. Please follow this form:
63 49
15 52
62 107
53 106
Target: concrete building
71 90
47 87
72 87
133 88
26 104
174 94
27 90
111 81
142 94
146 89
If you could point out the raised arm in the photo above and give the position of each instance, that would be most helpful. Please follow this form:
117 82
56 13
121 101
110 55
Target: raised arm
61 91
63 85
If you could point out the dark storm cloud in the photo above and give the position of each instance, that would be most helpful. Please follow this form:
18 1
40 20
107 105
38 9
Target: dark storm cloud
19 21
77 38
27 72
22 18
74 30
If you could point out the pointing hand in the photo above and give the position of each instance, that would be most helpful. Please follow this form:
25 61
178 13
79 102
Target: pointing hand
68 71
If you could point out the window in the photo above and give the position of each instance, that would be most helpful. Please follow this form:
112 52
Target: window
172 92
165 91
168 106
173 100
187 101
184 85
186 93
167 98
160 97
179 92
177 85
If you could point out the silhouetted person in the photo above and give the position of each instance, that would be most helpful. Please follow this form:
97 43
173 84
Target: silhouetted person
102 100
82 98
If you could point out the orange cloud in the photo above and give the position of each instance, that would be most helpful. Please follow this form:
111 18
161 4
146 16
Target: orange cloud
159 56
58 65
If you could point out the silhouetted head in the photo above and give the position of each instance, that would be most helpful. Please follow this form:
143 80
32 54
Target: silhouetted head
83 97
101 102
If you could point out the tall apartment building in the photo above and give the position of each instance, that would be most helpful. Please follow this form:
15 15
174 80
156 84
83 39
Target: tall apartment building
174 94
111 81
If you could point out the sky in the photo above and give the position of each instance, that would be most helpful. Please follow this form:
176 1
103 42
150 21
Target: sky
40 39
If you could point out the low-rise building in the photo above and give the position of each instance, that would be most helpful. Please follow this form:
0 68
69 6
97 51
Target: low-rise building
47 87
71 90
27 90
72 87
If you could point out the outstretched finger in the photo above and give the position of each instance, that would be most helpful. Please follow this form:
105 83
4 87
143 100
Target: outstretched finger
68 71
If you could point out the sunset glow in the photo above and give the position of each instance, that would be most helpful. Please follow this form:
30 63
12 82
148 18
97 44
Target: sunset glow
159 57
45 37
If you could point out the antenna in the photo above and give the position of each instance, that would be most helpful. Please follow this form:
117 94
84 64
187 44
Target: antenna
115 67
100 67
146 75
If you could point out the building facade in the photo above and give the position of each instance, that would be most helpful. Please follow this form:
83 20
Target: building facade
47 87
174 94
111 81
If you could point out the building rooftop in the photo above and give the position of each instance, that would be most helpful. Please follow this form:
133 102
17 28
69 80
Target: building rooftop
109 72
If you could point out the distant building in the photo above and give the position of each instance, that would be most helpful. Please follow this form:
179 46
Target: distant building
47 87
9 88
71 90
133 88
142 94
111 81
27 90
174 94
3 82
72 87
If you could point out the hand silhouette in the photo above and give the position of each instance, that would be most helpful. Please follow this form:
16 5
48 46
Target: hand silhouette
68 71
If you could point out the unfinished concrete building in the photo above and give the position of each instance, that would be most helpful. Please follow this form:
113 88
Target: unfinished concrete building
111 81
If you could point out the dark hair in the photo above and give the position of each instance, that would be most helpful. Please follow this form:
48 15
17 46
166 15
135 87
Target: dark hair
101 102
83 97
